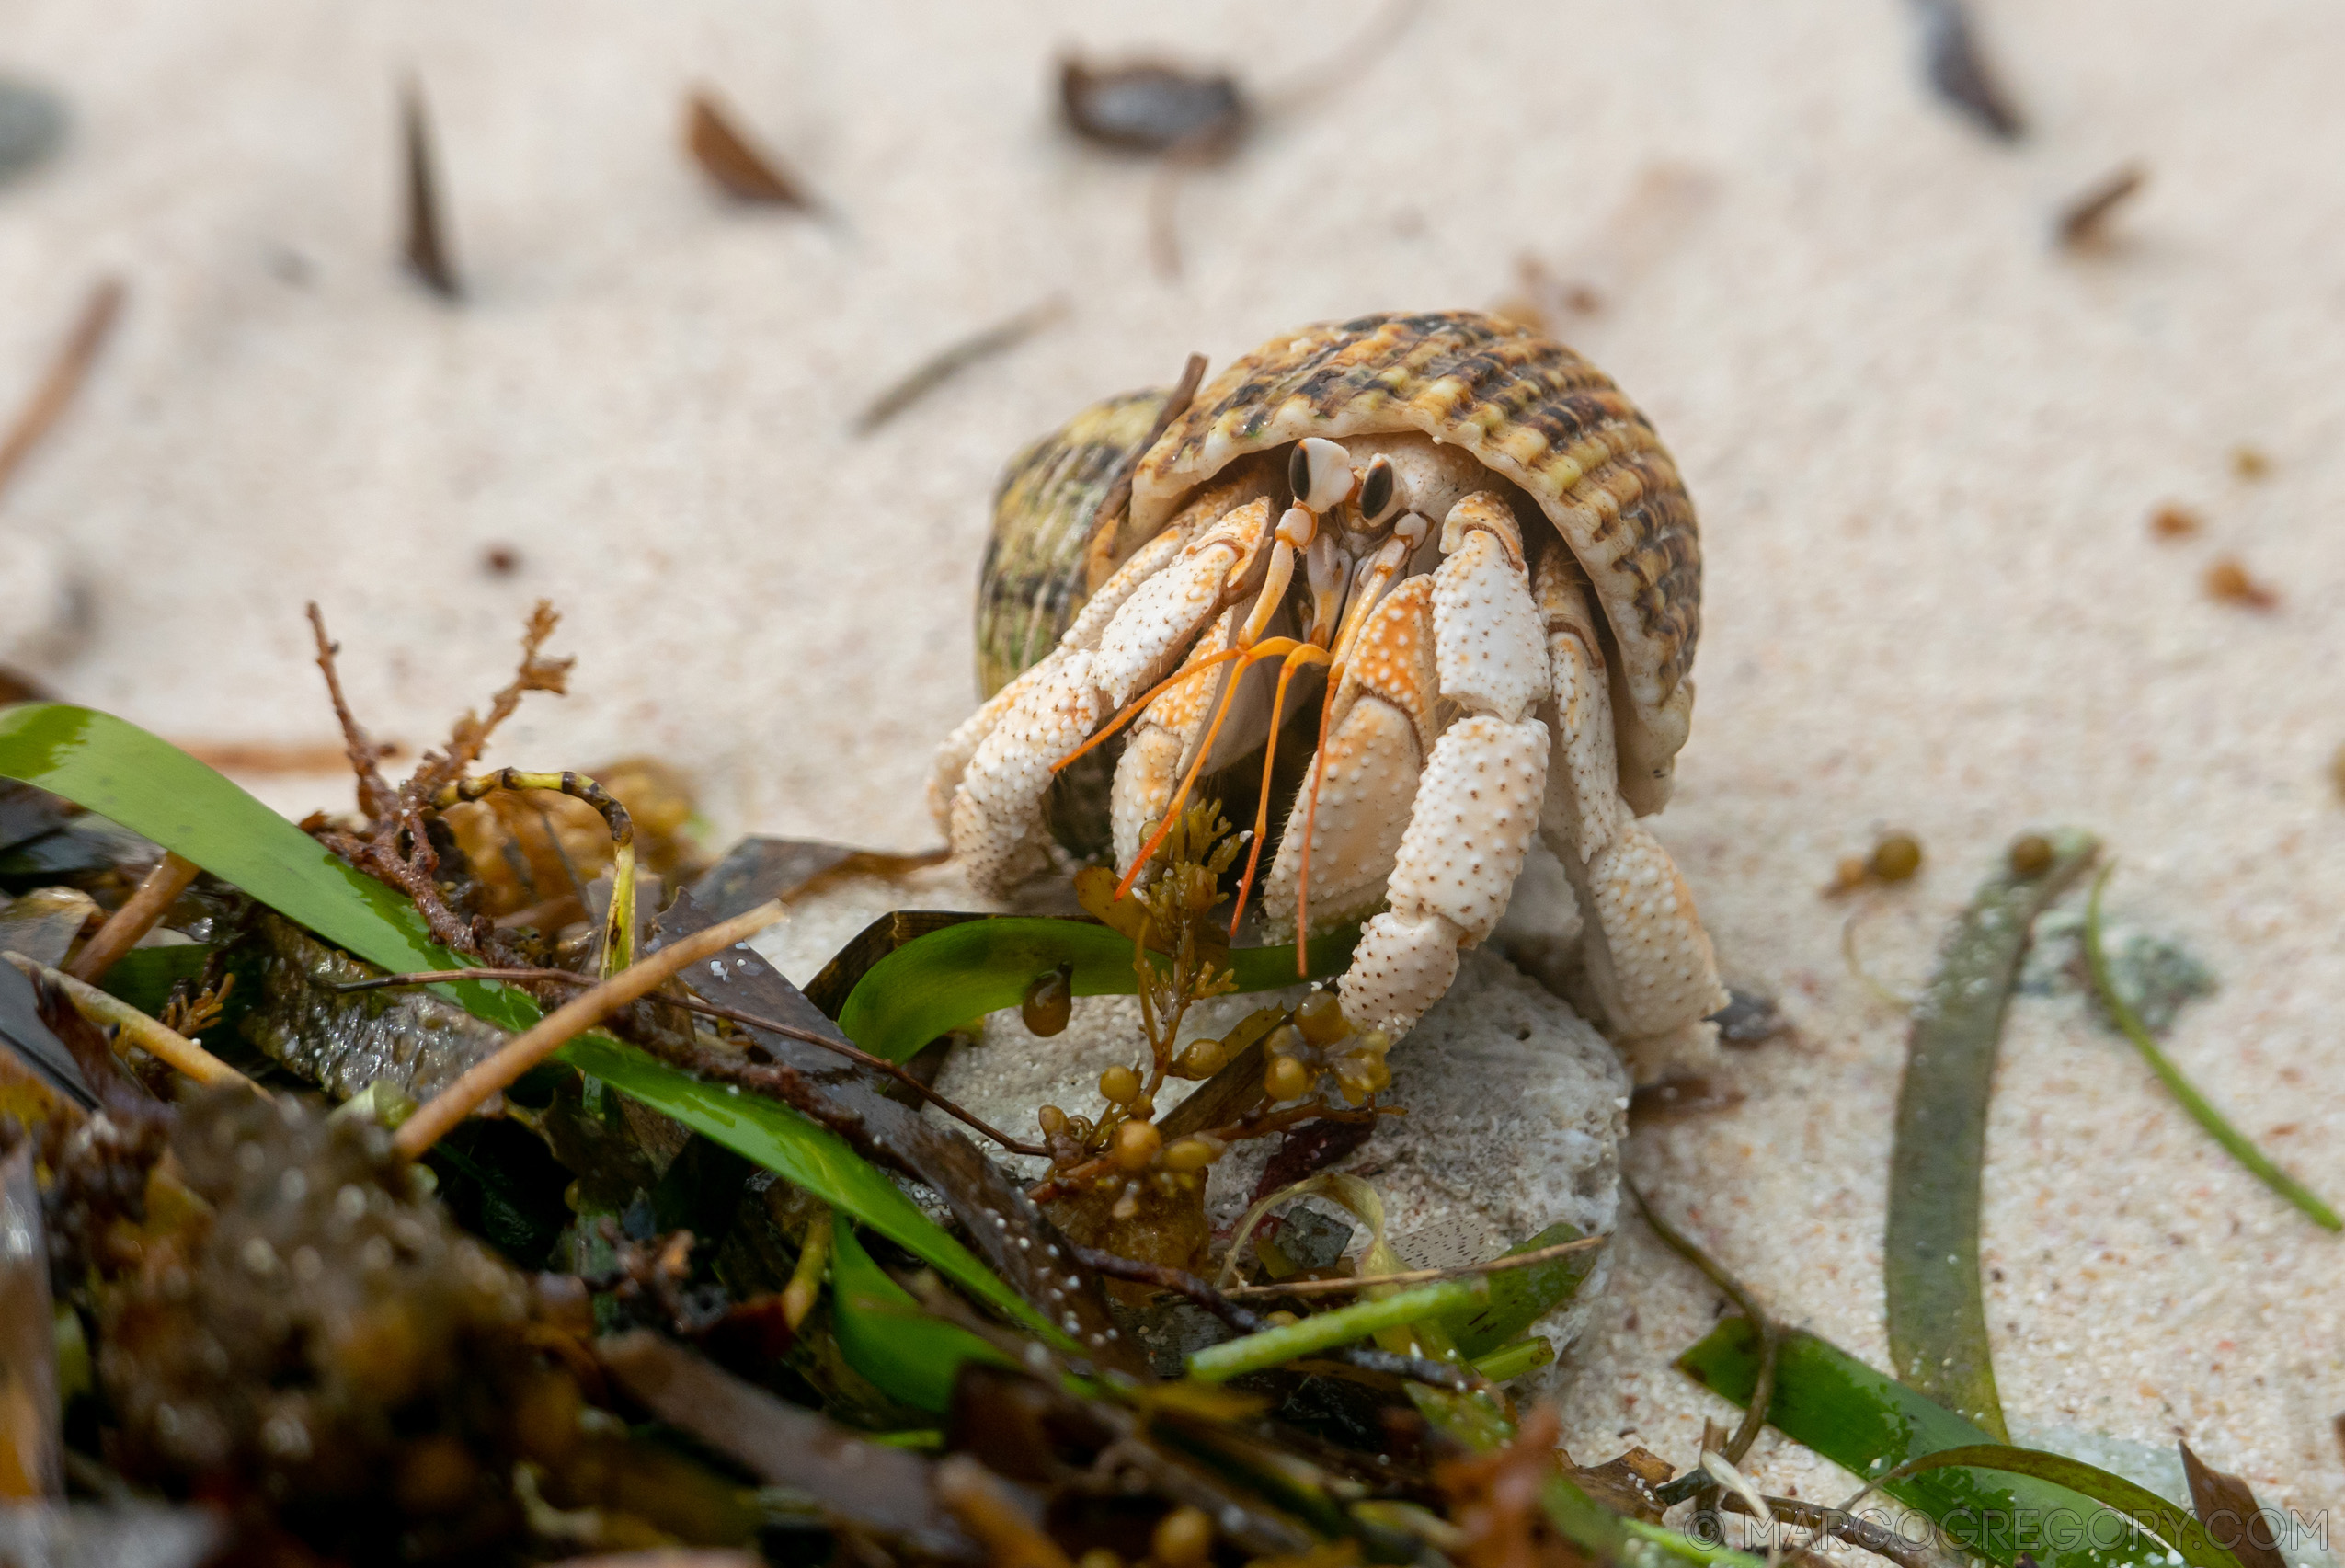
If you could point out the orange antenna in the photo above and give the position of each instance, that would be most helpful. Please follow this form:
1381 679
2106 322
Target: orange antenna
1139 704
1311 819
1307 653
1269 647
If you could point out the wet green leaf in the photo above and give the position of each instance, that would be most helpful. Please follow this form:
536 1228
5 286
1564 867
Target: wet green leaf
937 982
2169 1522
150 787
1937 1337
2235 1142
1867 1423
909 1355
1520 1297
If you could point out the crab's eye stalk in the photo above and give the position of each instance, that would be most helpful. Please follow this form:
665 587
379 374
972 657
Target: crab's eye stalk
1319 473
1379 491
1296 529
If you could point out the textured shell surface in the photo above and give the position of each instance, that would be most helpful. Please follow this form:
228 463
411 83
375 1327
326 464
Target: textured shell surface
1532 411
1033 582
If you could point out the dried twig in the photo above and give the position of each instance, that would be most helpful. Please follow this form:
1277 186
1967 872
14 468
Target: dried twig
159 890
557 1028
710 1010
394 847
63 377
1762 1386
1099 552
1854 1528
1418 1276
942 367
738 166
1247 1321
2084 220
167 1046
428 251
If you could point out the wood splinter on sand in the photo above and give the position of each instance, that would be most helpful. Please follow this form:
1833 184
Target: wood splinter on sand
557 1028
738 165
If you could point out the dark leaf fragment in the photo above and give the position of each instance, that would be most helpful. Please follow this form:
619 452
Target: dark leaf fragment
32 1443
428 252
1749 1018
739 168
862 1487
1147 106
1305 1151
2227 1505
757 869
1004 1225
35 1044
1959 71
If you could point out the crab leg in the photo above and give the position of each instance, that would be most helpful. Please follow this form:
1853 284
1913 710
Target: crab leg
1648 959
1476 805
954 756
995 817
1140 774
1379 728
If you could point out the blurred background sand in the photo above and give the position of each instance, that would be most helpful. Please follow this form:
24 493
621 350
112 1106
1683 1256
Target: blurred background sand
1925 444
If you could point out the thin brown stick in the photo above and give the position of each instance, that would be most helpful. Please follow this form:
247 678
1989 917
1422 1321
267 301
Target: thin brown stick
1245 1320
137 916
1857 1531
941 367
64 376
708 1009
1099 552
375 794
1762 1386
557 1028
1418 1276
2082 222
167 1046
428 252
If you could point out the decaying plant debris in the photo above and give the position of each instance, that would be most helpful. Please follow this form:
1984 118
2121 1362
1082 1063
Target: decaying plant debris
711 1278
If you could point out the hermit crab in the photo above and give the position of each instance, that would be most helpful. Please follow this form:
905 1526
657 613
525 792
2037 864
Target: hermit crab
1444 561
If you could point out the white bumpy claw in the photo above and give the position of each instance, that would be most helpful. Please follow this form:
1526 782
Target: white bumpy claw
1478 802
1648 960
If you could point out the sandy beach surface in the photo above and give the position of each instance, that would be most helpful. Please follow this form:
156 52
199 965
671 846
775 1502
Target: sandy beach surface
1925 444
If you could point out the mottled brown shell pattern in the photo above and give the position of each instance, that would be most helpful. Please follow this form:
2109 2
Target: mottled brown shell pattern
1043 511
1532 411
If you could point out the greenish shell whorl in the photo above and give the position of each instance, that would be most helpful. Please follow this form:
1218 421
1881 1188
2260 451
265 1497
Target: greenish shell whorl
1033 583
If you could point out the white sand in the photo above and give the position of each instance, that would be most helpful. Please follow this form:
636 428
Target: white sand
1923 447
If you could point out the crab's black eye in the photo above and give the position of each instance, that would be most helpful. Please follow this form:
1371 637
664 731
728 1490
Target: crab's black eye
1376 487
1299 474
